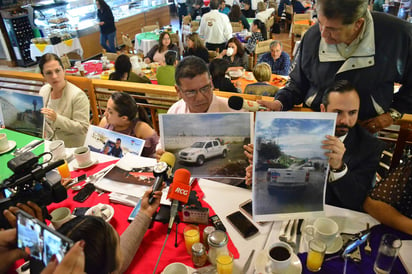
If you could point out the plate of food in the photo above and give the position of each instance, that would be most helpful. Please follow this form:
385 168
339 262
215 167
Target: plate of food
278 80
235 74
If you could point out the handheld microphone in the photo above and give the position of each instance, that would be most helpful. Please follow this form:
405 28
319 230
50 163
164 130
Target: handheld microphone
179 191
162 170
238 103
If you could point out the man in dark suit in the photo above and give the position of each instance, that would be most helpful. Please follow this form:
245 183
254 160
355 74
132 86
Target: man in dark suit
353 153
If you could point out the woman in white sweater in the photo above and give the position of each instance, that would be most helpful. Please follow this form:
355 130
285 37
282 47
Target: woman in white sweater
66 107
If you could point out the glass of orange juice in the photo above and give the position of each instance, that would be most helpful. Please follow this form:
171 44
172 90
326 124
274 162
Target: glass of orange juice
64 170
192 235
316 253
224 263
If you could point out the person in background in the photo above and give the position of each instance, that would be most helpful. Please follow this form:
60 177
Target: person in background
282 8
262 73
247 9
223 8
218 68
107 26
123 72
390 200
165 75
66 107
349 42
298 7
235 15
235 54
181 11
157 52
259 33
124 116
195 8
104 250
215 27
195 47
278 60
353 153
263 13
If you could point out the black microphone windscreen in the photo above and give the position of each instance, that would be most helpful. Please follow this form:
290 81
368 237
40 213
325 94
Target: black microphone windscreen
235 102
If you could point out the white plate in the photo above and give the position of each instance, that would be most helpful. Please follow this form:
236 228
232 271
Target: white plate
261 261
337 245
101 210
12 144
92 163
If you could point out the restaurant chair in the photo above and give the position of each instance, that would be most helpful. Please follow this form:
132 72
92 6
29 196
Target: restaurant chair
174 36
66 61
236 27
150 27
194 26
261 47
128 44
298 29
110 55
269 24
213 54
289 17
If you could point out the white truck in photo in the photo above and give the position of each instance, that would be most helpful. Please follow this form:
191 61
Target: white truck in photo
200 151
287 178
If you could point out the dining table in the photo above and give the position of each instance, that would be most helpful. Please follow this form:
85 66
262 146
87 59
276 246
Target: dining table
248 78
223 199
64 47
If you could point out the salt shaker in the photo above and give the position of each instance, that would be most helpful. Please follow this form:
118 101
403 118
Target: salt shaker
199 256
217 241
209 229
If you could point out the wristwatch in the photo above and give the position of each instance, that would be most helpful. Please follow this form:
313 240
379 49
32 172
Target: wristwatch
396 115
337 170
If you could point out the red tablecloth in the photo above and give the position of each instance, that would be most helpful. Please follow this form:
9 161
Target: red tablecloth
146 257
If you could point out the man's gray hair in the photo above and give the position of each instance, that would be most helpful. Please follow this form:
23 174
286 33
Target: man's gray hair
275 43
347 10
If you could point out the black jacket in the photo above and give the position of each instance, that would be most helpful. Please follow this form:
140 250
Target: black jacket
362 156
392 63
106 16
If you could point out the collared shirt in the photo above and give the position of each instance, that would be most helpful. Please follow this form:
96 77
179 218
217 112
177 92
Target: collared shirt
346 51
215 27
280 66
218 104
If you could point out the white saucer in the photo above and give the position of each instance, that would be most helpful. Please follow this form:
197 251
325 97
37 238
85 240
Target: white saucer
12 144
92 163
101 210
261 261
337 245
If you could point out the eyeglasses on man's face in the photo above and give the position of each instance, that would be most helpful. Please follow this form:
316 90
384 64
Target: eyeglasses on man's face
192 93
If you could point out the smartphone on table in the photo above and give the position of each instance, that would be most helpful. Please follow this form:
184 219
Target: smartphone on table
39 240
242 224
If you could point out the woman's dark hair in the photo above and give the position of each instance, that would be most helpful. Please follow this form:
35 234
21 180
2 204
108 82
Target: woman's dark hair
234 14
262 27
218 68
101 241
240 48
197 42
48 57
125 105
103 5
163 34
122 65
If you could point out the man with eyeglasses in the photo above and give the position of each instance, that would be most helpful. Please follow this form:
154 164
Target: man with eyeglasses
371 50
195 88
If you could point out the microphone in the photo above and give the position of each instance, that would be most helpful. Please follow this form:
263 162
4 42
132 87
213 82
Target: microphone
162 171
238 103
179 191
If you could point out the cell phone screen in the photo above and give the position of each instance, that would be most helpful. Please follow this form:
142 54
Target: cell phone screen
245 227
247 208
40 241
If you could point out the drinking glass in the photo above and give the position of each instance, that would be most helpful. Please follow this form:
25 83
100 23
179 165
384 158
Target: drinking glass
387 253
192 235
316 253
224 263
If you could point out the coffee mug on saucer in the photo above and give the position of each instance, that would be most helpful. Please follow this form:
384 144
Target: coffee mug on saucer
58 150
82 155
60 216
229 51
4 143
279 257
324 229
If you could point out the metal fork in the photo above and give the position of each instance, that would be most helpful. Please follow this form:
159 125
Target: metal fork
368 249
285 233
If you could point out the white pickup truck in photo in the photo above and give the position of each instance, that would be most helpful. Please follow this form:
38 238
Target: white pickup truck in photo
287 177
200 151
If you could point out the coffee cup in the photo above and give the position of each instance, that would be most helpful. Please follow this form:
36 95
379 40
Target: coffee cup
175 268
82 155
4 143
229 51
58 150
279 256
60 216
324 229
